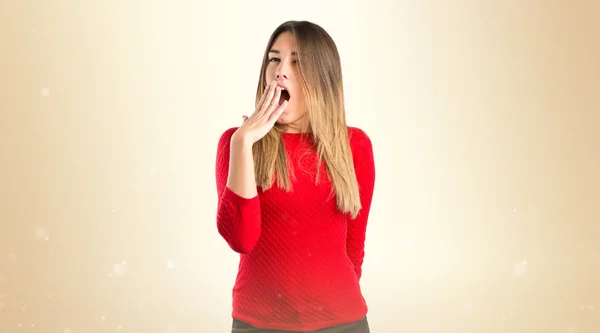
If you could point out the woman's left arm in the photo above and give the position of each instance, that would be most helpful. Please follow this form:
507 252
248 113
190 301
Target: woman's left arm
364 165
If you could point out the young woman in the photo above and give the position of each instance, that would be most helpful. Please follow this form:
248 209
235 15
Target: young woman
295 184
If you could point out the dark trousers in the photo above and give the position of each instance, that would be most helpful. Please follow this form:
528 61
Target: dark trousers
361 326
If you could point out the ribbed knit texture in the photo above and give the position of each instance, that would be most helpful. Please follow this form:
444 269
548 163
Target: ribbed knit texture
300 258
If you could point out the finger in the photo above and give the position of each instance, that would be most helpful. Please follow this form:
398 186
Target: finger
268 97
267 102
274 104
277 113
262 98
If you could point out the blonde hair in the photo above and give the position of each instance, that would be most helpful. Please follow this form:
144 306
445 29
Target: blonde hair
320 78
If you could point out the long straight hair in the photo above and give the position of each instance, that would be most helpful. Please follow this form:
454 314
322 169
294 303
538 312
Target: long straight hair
320 75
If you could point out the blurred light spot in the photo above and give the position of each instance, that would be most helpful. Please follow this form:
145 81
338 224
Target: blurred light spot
118 269
590 307
170 264
124 262
152 170
103 317
410 243
40 233
45 92
67 330
468 306
114 210
524 262
514 210
120 327
519 270
12 257
572 329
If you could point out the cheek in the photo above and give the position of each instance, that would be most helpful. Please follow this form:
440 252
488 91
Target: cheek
269 74
298 104
299 97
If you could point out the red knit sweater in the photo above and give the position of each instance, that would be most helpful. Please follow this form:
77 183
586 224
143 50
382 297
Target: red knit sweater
300 258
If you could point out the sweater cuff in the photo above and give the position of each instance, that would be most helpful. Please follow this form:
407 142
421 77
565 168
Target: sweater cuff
242 204
238 199
238 220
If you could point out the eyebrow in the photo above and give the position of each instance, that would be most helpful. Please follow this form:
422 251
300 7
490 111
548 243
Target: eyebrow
278 52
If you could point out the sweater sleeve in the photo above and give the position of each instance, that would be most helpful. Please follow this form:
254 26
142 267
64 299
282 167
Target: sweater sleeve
364 165
238 218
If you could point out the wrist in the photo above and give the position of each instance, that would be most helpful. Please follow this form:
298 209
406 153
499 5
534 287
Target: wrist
241 141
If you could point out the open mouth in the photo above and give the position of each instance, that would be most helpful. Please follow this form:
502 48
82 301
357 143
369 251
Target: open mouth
285 96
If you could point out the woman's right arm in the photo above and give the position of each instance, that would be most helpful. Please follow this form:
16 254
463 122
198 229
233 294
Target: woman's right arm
238 212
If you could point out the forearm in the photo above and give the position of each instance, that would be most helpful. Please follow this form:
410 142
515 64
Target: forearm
365 175
241 179
238 212
355 246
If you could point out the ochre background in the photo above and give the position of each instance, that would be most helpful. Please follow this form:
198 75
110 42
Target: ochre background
485 120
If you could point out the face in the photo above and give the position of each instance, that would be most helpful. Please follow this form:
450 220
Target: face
282 67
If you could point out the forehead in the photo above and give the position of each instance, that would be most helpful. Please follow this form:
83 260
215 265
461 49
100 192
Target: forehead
285 43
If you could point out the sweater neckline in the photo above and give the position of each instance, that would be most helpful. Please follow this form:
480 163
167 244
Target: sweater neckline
296 134
297 138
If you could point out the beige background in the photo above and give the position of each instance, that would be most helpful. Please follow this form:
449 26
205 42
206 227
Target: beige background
484 116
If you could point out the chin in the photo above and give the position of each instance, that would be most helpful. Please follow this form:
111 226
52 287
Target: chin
285 118
282 120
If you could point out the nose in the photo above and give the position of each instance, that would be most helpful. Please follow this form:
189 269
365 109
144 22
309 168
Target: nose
279 75
282 71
